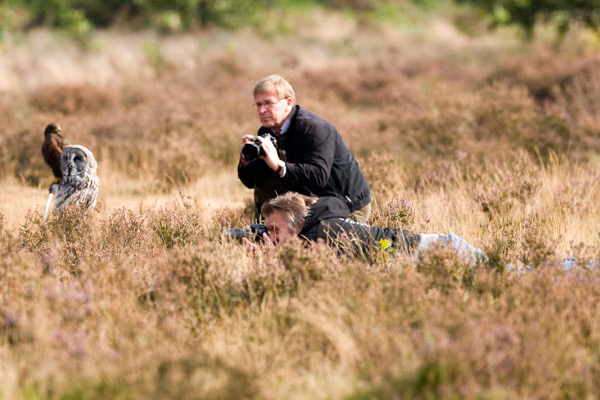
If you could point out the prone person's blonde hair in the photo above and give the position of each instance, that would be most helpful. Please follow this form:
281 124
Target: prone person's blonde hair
277 84
292 206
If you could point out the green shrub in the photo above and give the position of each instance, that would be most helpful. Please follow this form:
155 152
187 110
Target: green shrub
561 13
78 17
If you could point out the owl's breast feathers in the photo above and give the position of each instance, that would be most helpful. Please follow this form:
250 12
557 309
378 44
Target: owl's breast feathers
78 190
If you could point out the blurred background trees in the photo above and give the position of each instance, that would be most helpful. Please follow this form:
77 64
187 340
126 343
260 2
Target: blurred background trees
526 13
79 17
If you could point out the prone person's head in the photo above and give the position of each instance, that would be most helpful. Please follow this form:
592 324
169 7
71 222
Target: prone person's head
285 215
274 98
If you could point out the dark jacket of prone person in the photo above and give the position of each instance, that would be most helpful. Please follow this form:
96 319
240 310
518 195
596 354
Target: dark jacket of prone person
328 220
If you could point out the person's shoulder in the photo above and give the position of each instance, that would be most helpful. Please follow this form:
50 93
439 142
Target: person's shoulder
309 118
304 114
333 201
330 207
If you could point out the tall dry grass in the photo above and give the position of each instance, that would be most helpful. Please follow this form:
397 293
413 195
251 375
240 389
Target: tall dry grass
141 299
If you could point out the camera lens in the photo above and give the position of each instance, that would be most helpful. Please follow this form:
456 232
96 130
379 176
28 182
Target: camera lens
251 150
236 234
254 233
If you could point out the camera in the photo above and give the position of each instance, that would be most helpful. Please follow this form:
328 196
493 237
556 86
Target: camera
254 233
253 148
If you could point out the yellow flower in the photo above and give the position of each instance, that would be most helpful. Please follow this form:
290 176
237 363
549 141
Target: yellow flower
385 243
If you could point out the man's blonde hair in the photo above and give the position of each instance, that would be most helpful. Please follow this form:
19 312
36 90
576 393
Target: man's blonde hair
277 84
292 206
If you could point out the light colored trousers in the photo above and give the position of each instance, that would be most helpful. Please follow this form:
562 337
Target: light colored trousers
466 250
474 255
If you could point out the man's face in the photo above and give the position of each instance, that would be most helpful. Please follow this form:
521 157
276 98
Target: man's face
279 229
272 111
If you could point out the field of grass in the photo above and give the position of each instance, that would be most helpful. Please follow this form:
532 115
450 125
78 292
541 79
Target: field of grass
488 137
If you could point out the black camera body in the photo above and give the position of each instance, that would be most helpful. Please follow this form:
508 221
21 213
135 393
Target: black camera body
255 233
253 148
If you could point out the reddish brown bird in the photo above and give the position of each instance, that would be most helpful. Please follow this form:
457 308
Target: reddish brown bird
54 143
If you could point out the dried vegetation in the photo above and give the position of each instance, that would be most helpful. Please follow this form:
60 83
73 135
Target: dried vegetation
149 303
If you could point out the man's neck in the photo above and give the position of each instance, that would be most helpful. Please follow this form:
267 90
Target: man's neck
280 130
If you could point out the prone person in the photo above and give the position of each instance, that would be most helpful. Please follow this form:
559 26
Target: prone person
296 150
293 216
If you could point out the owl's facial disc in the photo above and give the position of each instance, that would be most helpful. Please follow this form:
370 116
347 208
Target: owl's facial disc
73 162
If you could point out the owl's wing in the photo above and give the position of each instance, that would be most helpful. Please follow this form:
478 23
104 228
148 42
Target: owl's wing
87 195
63 196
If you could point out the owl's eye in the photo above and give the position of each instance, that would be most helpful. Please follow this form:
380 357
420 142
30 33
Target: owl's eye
77 158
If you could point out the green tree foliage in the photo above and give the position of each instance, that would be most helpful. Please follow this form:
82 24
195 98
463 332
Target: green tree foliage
80 16
525 13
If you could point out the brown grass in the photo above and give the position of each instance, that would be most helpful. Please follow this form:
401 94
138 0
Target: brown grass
141 299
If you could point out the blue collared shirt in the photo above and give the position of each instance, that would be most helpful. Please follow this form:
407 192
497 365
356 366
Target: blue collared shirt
283 130
285 125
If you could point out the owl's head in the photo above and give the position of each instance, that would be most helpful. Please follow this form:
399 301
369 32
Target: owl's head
77 161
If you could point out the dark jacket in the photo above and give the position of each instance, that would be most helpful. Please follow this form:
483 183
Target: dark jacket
318 163
329 221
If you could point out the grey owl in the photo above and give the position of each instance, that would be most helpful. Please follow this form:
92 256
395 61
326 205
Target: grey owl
79 184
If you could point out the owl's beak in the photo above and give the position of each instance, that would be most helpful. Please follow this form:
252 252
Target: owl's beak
70 166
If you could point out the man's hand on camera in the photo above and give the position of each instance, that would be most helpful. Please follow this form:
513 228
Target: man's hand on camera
246 138
249 244
266 241
271 157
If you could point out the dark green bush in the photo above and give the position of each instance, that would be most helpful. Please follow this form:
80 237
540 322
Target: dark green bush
78 17
561 13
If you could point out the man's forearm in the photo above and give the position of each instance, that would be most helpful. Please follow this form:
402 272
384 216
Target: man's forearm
311 176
